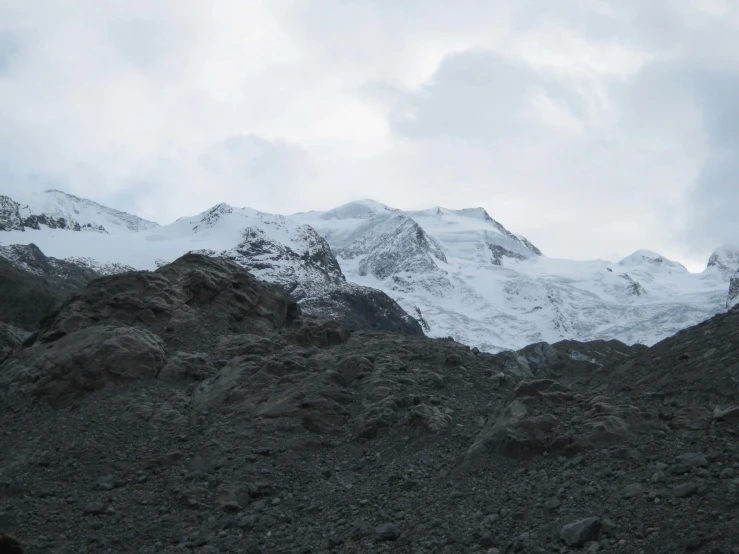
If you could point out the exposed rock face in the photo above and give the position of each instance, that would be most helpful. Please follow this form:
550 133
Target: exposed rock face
64 275
733 298
195 408
396 244
10 217
64 368
10 340
24 297
31 284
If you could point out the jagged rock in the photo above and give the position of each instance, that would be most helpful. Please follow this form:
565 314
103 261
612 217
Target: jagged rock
187 366
357 307
64 275
310 332
732 299
67 368
24 297
10 340
729 415
198 296
429 417
581 532
10 217
694 418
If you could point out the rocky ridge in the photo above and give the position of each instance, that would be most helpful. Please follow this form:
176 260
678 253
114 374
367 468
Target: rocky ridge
733 298
195 408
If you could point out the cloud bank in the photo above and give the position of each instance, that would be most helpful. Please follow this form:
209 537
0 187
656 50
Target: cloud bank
594 129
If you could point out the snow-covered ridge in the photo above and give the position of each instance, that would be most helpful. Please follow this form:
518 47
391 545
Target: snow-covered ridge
725 260
54 209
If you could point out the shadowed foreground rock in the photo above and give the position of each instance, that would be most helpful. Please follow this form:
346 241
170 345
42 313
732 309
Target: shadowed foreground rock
9 545
195 409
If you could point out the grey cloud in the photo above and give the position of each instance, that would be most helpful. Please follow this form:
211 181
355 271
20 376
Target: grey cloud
683 97
141 42
714 196
249 158
8 51
477 95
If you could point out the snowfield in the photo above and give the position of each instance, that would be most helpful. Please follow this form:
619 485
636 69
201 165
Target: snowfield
459 272
485 286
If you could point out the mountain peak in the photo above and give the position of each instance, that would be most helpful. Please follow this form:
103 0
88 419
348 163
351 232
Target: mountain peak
725 260
358 209
652 260
56 209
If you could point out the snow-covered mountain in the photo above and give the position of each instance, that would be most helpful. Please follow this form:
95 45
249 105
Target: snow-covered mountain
459 273
724 260
54 209
463 274
272 247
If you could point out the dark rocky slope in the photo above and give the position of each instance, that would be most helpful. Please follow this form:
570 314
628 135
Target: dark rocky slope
24 297
195 409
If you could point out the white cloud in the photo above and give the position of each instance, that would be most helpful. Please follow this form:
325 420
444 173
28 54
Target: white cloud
592 127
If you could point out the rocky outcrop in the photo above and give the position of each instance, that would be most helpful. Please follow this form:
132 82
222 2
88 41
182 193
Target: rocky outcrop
733 298
25 297
11 339
359 307
64 275
10 217
62 369
110 331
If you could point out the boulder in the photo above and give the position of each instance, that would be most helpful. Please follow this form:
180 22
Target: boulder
75 364
580 532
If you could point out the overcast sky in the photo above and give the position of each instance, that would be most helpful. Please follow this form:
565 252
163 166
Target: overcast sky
592 127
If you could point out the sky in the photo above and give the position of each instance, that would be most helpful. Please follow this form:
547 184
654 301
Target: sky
592 127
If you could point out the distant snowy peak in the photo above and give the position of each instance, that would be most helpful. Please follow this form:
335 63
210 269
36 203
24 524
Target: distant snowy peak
474 228
53 209
652 262
396 241
725 260
359 209
211 217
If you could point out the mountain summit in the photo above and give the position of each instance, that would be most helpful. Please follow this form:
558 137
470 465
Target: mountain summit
54 209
